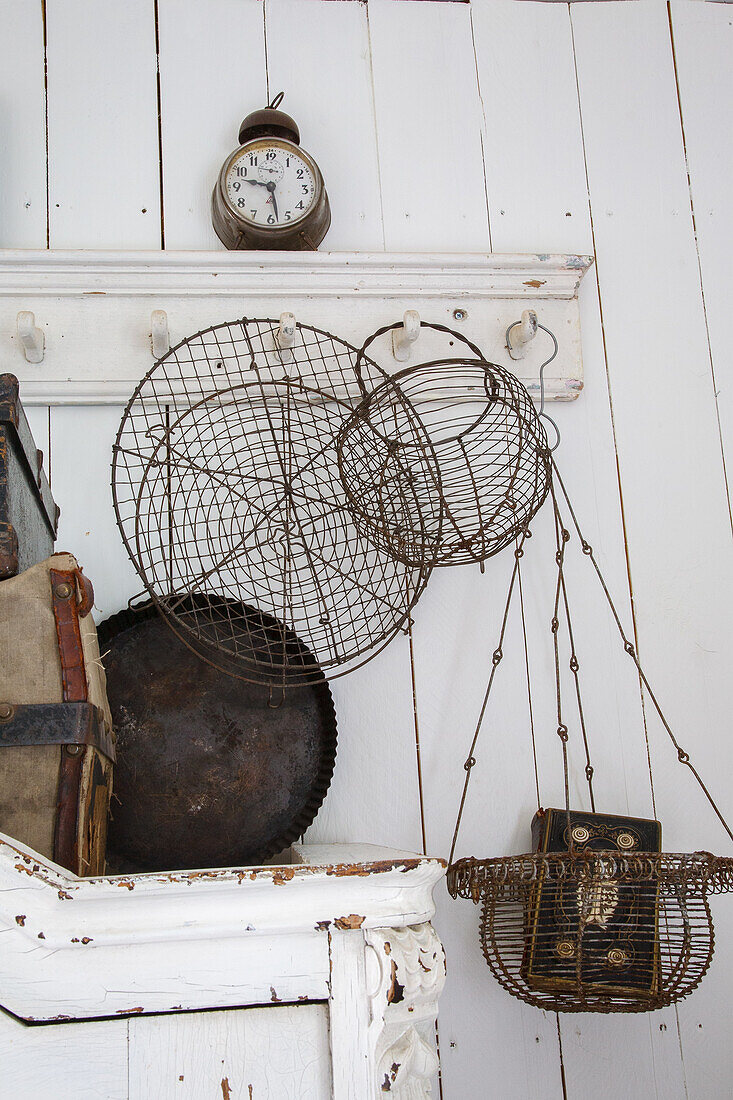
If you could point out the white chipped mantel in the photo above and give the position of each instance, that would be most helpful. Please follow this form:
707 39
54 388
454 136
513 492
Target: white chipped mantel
94 308
345 924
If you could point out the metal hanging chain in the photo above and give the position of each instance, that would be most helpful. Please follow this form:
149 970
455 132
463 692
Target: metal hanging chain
496 658
561 539
529 685
682 755
563 536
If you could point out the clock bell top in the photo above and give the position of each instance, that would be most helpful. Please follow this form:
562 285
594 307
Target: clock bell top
269 122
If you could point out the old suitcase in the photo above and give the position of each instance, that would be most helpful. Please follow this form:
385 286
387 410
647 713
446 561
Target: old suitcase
616 947
28 515
56 741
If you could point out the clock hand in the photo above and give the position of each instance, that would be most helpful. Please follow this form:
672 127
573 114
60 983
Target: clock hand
271 188
257 183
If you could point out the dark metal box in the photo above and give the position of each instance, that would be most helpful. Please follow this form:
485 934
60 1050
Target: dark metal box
615 947
28 513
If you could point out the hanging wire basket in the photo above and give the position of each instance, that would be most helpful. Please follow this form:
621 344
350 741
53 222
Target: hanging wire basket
598 928
446 459
227 491
598 932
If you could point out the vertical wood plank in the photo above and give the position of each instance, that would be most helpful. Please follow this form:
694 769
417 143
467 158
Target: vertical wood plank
533 147
278 1053
39 421
206 90
104 189
67 1061
319 53
428 127
675 503
703 46
374 792
22 126
81 457
349 1019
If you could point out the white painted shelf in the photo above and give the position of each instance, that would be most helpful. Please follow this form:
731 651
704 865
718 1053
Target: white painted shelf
348 925
94 308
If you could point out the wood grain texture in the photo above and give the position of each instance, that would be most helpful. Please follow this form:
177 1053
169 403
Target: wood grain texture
81 456
534 156
278 1053
104 189
675 504
319 52
428 127
703 47
205 94
353 1075
22 126
653 340
66 1061
703 39
533 149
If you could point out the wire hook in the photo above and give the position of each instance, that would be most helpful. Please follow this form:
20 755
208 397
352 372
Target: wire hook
543 415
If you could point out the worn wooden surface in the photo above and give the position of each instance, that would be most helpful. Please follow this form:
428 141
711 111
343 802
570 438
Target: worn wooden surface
592 117
341 936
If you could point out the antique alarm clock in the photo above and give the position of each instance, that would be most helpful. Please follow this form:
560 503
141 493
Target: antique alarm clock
270 192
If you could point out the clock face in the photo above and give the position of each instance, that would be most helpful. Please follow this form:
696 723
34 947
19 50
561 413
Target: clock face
270 182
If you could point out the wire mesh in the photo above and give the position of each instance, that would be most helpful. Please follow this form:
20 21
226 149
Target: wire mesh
227 492
446 460
596 932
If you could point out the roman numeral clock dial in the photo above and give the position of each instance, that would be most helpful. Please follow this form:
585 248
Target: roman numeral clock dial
270 192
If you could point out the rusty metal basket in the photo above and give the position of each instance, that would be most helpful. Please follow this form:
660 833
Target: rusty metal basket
227 489
446 459
596 932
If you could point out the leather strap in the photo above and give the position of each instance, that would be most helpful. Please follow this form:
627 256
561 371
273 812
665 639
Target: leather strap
74 684
66 614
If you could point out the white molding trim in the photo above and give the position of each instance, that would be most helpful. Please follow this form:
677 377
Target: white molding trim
308 274
94 309
187 940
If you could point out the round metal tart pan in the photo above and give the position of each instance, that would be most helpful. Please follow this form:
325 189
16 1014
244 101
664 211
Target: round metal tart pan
211 771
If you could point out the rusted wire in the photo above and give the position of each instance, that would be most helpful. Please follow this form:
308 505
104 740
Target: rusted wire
446 460
596 931
600 930
226 488
682 755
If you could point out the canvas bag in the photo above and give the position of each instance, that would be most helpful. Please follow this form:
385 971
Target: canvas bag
54 797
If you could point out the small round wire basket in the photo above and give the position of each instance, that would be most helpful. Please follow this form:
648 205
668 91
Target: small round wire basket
446 459
595 932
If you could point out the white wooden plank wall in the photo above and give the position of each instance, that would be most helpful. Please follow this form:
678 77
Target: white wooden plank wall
521 126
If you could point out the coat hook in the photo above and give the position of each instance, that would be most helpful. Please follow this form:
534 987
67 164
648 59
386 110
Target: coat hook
160 336
285 336
405 335
521 333
32 339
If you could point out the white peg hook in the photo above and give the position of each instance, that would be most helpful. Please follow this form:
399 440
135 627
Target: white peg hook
160 337
521 333
405 336
285 336
31 338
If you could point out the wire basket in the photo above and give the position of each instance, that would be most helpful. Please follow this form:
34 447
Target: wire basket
446 460
595 932
227 492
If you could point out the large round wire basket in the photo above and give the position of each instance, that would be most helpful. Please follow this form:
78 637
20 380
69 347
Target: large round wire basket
595 932
228 493
447 459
